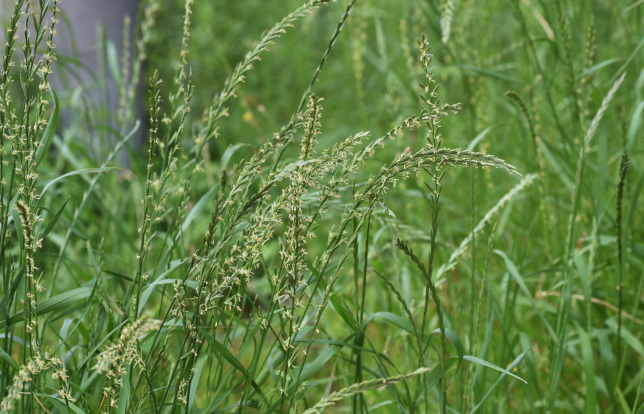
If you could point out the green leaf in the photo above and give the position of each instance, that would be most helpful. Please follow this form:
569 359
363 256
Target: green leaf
399 321
514 272
90 301
635 125
436 373
335 301
308 372
492 366
124 393
311 369
635 194
225 353
513 365
480 136
103 340
597 67
628 61
194 385
77 172
490 73
54 220
14 287
627 336
61 405
589 369
456 341
145 296
230 151
607 360
341 343
62 302
18 224
622 402
9 360
404 324
201 205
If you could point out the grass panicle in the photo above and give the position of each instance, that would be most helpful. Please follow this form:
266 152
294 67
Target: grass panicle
308 254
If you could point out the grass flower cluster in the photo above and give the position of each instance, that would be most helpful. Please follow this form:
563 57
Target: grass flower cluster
325 233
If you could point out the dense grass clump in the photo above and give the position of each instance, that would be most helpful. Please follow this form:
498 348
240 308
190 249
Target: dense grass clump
323 228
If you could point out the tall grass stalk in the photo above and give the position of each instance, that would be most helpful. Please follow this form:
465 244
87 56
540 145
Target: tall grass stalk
558 348
623 171
307 254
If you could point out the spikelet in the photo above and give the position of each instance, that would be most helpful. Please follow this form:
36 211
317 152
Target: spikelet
125 69
358 32
217 110
147 23
447 16
45 63
451 262
311 127
183 55
404 305
623 171
591 46
516 99
592 129
405 44
25 218
360 388
28 372
115 358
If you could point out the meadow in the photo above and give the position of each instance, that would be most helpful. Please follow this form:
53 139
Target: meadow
409 206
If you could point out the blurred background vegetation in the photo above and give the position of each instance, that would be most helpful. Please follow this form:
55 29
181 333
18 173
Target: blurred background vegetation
370 83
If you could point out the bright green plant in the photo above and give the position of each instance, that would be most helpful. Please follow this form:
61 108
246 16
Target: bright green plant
223 267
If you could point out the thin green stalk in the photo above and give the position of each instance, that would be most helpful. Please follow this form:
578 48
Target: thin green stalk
621 256
358 400
473 178
559 345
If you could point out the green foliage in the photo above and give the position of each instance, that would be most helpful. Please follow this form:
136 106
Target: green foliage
250 246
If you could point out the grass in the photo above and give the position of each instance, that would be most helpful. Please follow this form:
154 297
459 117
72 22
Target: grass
297 233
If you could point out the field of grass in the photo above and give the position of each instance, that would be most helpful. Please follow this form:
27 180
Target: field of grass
409 206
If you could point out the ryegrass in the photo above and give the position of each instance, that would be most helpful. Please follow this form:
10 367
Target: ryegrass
337 263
